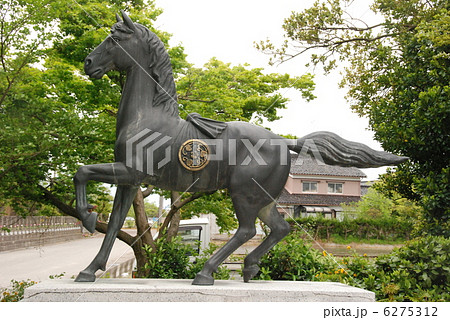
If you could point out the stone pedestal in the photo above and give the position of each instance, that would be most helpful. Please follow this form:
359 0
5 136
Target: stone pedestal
163 290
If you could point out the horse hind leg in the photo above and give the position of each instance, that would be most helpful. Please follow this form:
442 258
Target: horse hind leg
279 228
246 215
122 203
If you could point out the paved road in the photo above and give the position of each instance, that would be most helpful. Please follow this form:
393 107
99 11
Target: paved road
71 257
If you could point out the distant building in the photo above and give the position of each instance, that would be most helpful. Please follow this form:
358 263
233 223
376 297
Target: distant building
365 185
314 188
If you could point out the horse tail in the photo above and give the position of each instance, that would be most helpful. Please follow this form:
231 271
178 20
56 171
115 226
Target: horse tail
335 150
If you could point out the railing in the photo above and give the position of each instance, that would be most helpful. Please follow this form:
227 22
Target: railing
120 270
17 232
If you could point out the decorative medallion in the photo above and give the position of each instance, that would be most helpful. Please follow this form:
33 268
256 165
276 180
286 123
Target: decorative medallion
194 154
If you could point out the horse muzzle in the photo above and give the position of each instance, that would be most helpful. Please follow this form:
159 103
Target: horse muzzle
91 71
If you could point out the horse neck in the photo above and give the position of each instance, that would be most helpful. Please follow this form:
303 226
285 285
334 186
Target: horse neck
136 105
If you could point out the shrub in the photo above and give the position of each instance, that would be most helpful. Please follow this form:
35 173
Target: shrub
418 271
15 293
222 273
174 260
169 261
292 259
351 270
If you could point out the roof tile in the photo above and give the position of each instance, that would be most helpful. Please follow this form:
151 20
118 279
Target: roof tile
308 199
308 166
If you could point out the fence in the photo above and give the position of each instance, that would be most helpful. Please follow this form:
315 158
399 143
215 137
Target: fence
120 270
17 232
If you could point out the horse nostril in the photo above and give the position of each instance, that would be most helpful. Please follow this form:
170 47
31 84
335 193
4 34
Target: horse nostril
87 62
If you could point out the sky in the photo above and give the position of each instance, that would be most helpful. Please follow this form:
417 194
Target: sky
228 29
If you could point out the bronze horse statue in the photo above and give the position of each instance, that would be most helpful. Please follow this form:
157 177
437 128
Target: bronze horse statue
155 146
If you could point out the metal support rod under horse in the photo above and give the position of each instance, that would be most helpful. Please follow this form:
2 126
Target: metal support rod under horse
155 146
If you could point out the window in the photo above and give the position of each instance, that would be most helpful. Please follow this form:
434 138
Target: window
334 187
190 236
309 186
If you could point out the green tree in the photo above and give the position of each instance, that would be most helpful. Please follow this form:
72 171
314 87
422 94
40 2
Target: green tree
53 118
219 204
397 73
25 31
150 209
233 93
372 205
375 204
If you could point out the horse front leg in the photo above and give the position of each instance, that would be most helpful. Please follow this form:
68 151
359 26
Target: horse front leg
113 173
122 203
88 219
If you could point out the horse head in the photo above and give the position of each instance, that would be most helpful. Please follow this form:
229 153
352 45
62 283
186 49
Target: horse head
121 49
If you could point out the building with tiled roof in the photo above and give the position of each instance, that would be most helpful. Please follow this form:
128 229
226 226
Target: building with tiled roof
314 188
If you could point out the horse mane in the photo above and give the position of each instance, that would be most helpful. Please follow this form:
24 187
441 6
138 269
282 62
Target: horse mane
161 71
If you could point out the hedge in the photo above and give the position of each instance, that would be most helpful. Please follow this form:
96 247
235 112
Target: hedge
362 228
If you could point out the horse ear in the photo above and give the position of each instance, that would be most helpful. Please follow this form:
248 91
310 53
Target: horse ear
118 18
128 22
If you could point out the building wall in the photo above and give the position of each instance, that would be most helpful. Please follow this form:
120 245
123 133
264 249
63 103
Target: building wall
350 186
293 186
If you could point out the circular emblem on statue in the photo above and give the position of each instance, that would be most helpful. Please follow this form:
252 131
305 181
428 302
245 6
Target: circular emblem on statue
194 154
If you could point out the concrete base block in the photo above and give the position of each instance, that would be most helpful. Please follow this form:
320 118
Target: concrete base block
163 290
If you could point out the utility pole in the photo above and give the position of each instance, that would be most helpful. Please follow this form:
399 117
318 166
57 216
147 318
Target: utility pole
160 208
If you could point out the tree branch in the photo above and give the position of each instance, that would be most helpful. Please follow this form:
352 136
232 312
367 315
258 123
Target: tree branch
176 206
12 158
143 228
16 74
148 191
197 100
352 28
110 112
332 46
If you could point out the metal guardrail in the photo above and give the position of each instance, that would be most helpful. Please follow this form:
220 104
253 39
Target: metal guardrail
17 232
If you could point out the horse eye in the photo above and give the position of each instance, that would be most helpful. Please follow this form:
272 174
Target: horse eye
115 39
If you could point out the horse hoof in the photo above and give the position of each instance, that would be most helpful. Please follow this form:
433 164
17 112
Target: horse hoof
90 222
202 280
85 276
250 272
